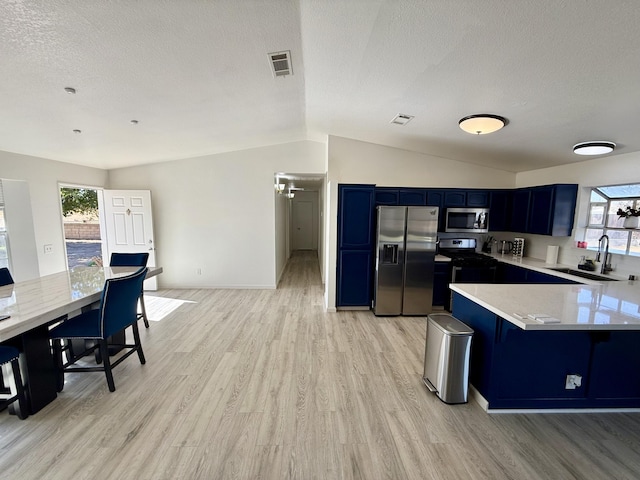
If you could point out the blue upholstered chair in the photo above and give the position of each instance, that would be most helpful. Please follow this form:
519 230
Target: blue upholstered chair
118 310
5 277
10 355
133 260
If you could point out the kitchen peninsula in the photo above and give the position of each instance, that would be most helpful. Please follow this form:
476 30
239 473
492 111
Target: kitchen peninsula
583 353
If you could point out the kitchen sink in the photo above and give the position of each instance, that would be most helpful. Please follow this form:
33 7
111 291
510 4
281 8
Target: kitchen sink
583 274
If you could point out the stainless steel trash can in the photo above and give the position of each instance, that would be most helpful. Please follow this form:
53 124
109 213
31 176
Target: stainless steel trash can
446 357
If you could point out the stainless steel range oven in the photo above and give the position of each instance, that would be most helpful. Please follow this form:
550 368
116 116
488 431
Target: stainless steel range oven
468 266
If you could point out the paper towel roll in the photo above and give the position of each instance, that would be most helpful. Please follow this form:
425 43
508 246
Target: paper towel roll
552 254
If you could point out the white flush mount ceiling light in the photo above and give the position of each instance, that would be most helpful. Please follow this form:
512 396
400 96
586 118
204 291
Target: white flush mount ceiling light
594 148
482 123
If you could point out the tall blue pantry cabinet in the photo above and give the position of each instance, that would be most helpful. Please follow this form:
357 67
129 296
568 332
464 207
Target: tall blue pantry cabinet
355 244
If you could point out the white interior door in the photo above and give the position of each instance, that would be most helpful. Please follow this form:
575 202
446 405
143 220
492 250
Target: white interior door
128 226
302 225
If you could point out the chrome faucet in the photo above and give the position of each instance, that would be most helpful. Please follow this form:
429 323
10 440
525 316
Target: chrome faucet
604 245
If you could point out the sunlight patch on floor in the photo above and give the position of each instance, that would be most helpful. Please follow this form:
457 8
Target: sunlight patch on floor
159 307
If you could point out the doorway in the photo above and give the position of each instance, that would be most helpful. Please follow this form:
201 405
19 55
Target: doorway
81 226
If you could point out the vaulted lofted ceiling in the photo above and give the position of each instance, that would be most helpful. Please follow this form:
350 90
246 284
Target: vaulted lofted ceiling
195 75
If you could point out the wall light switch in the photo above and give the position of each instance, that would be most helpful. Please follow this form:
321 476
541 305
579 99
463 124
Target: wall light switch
48 248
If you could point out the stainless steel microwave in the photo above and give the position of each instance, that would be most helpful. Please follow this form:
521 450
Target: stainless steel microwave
467 220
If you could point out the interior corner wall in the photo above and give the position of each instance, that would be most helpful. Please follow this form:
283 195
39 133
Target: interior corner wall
353 161
217 213
281 233
43 177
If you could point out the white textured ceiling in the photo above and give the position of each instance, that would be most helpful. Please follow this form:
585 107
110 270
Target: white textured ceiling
196 76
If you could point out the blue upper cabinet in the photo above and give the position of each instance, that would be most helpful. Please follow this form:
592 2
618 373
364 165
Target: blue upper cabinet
455 198
413 196
500 210
387 196
355 216
552 209
564 209
477 198
540 210
435 198
519 210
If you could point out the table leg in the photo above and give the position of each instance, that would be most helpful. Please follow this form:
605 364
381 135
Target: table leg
38 366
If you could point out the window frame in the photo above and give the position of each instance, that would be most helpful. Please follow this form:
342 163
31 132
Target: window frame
604 227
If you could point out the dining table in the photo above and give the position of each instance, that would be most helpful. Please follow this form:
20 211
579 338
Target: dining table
30 307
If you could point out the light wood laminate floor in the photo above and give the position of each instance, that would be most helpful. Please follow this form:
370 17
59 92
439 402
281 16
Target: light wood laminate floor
262 384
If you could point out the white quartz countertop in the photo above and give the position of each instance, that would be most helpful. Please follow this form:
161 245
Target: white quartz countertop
604 306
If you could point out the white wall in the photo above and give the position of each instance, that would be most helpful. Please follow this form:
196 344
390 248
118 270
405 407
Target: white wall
611 170
23 255
43 177
217 213
281 233
352 161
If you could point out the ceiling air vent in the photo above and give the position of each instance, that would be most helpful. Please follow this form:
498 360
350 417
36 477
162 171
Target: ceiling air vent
280 63
402 119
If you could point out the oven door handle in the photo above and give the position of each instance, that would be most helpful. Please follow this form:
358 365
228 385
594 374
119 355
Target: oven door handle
454 270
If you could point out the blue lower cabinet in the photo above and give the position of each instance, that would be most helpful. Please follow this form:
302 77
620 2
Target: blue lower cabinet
513 274
354 281
515 368
615 376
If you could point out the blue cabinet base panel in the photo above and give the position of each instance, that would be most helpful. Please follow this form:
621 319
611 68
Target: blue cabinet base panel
515 369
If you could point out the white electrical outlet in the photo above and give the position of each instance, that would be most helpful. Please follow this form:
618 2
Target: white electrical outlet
199 271
572 382
48 248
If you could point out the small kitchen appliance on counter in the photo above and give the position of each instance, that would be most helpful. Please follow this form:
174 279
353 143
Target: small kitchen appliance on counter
518 247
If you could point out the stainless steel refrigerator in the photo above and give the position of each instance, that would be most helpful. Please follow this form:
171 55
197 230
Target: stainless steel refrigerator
405 253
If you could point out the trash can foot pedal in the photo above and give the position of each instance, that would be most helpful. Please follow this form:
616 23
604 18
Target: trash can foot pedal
429 385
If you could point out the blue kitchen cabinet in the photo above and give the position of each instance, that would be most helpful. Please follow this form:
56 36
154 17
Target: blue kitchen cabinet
435 198
521 198
508 273
511 273
355 269
500 210
455 198
441 277
356 237
539 277
515 368
544 210
356 217
552 209
413 196
477 198
616 363
387 196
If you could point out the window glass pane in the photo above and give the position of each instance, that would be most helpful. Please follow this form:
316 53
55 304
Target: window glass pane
635 243
613 220
621 191
592 236
596 197
618 240
596 214
2 224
